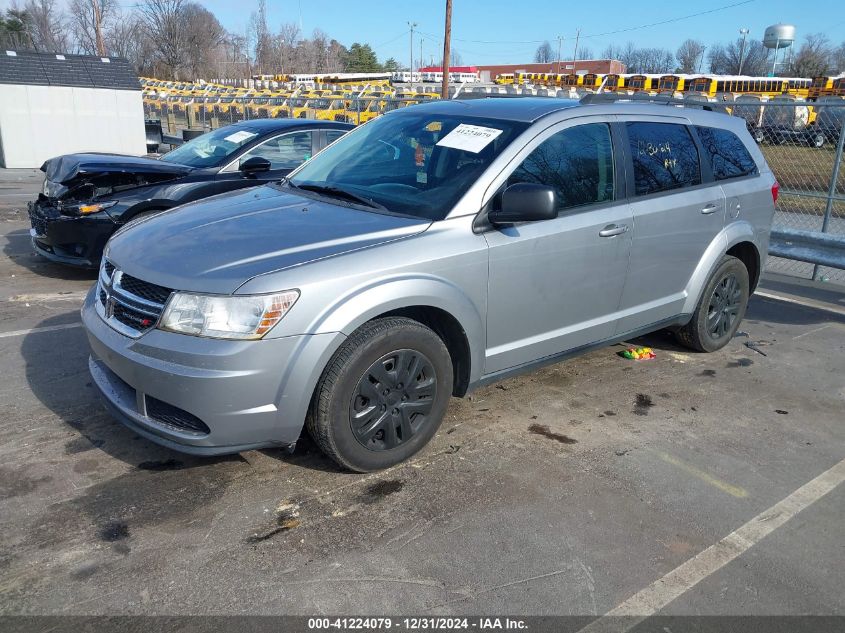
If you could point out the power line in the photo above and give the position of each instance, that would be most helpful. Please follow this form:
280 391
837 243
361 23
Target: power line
625 30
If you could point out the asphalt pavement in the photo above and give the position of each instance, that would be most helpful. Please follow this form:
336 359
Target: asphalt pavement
687 484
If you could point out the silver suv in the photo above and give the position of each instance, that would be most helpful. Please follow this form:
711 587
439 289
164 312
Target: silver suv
433 250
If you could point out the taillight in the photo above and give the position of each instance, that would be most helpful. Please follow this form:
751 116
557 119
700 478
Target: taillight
775 191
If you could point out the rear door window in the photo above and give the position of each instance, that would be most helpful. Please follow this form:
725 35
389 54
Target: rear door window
728 155
576 162
664 155
287 151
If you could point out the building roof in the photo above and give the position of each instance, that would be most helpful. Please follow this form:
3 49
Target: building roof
50 69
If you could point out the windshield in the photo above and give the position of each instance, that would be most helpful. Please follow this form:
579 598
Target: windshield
210 149
414 163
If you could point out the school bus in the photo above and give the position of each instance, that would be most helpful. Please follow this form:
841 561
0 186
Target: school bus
672 83
838 87
504 79
613 82
591 80
820 87
570 80
642 83
799 86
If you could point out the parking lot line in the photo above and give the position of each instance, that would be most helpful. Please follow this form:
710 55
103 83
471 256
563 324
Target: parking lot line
724 486
807 303
36 330
664 590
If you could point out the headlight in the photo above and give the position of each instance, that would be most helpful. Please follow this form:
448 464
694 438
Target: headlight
232 317
87 209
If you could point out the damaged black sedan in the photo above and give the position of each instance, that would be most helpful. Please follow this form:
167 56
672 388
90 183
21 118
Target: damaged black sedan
87 197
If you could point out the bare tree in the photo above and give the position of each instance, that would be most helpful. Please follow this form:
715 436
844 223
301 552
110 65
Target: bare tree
83 21
544 53
261 40
585 52
837 59
725 59
47 26
813 58
689 55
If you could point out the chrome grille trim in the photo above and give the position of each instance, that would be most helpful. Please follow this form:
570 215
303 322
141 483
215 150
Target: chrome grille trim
116 305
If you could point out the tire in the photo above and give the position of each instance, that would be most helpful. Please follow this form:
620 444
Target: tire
818 140
720 308
364 414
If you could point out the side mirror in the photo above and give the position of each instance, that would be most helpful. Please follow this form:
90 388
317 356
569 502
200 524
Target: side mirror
254 165
525 202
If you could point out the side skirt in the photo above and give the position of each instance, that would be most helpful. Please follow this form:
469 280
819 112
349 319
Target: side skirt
533 365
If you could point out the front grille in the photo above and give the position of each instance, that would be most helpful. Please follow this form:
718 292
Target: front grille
128 304
174 417
145 290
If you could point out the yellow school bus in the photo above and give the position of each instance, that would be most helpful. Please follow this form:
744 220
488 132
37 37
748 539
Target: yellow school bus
672 83
504 79
799 86
570 80
837 89
820 87
642 83
592 80
613 82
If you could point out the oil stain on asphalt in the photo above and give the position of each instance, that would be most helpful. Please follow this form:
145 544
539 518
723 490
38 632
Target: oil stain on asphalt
545 431
381 489
642 404
114 531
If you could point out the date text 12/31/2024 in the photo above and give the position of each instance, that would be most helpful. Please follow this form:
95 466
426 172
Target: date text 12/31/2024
415 624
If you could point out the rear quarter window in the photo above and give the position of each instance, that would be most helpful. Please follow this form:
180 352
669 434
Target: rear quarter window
727 153
664 155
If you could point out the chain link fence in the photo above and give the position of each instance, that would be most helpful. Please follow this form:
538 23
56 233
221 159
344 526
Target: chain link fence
802 142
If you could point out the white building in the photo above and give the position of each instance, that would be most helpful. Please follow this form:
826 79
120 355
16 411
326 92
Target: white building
61 104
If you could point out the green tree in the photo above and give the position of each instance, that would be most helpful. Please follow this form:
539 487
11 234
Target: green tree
15 29
362 59
391 65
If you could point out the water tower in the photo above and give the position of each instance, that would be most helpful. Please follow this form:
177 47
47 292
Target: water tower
776 37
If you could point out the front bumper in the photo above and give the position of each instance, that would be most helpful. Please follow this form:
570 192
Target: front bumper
247 394
76 241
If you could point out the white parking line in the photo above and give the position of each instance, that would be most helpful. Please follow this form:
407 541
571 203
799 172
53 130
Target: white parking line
38 330
681 579
807 303
72 295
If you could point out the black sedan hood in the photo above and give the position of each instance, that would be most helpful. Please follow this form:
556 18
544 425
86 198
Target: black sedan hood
65 169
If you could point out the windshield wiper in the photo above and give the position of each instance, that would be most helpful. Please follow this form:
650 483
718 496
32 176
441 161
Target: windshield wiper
337 192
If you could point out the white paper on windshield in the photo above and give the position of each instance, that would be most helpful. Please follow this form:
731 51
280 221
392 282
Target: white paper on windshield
470 138
240 137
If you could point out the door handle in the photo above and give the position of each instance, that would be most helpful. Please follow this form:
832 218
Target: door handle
613 229
710 208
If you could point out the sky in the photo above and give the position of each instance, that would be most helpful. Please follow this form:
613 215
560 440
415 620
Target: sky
509 31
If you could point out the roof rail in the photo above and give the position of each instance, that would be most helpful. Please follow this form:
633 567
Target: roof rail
610 97
464 96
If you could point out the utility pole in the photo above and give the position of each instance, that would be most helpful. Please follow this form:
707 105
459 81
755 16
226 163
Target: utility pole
575 55
101 47
412 26
422 59
447 52
742 32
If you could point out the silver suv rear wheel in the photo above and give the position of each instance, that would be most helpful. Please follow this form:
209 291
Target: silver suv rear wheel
720 309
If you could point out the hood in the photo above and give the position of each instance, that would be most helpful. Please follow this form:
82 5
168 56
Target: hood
87 176
217 244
